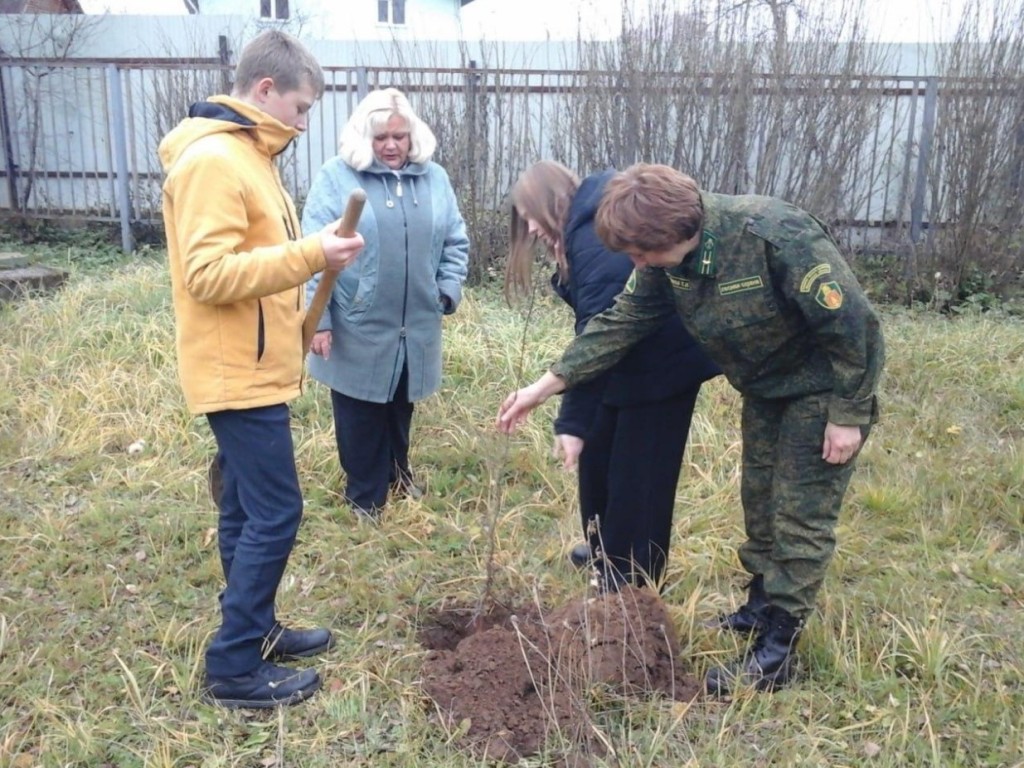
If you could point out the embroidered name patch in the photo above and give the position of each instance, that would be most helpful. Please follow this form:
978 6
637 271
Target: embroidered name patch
819 271
829 295
680 283
741 285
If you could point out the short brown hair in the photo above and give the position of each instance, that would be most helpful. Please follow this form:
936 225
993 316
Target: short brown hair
281 57
543 192
648 208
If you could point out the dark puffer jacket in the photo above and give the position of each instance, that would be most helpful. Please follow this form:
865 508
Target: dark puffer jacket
661 366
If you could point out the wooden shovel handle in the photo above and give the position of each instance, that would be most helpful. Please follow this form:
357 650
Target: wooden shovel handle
347 228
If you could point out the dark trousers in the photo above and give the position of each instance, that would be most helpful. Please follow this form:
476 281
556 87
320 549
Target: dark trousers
628 472
260 510
373 444
791 498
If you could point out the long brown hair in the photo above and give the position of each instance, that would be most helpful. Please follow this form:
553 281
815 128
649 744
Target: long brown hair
543 193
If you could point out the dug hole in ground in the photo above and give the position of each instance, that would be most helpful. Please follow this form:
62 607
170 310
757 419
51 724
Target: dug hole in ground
507 679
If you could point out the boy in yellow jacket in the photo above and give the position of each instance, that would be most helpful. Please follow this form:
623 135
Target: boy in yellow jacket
238 267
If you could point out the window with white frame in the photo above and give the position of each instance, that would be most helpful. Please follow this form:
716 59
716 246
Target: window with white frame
391 11
274 9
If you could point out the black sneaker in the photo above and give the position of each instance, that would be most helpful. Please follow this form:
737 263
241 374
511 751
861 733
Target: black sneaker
266 686
283 644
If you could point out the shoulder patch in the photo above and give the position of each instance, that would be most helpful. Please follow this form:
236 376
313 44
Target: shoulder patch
829 295
813 274
630 283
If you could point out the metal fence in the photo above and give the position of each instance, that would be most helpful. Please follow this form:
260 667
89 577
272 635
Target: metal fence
79 137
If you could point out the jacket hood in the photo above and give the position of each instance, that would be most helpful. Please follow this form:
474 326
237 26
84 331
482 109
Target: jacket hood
224 114
409 169
586 200
389 177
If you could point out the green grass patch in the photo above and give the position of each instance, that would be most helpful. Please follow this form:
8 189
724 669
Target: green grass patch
109 590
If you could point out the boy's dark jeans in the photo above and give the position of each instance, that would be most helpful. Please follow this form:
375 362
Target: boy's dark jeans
260 510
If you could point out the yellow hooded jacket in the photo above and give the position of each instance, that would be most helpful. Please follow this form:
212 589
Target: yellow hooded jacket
237 265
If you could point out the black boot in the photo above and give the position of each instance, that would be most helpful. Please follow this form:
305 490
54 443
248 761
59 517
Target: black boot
747 617
770 663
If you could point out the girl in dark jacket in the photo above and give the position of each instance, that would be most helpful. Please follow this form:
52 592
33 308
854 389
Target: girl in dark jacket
627 429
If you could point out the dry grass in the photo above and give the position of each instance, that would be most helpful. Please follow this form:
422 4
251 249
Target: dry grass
111 573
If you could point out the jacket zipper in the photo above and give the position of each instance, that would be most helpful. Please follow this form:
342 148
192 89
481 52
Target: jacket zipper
402 345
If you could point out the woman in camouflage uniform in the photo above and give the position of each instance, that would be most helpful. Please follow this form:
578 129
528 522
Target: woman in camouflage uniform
763 287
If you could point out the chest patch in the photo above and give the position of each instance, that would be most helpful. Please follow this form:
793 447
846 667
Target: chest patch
829 295
680 283
631 282
819 271
744 284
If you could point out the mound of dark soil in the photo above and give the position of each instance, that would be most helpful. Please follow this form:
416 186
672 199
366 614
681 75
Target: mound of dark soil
506 679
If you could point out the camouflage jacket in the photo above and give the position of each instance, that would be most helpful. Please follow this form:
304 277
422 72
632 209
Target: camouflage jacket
768 296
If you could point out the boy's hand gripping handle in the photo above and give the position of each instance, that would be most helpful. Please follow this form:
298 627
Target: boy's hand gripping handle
347 228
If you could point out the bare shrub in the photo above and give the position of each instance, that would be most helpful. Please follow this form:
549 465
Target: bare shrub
191 73
46 42
976 183
743 107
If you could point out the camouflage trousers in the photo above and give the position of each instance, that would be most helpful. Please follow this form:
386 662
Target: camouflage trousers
791 498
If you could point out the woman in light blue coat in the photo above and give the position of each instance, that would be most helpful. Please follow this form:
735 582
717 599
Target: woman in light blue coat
378 344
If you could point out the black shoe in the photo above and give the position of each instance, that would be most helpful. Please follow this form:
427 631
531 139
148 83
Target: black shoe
769 664
403 483
747 618
283 644
371 515
405 487
580 556
266 686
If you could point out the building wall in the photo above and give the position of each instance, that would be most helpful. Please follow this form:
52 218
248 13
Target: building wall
169 37
424 19
44 6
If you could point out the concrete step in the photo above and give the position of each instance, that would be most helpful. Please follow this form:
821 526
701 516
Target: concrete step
12 259
15 283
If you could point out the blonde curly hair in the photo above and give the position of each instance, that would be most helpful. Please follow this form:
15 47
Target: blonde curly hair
371 115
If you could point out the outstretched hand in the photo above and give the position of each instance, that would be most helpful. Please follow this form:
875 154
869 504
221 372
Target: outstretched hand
515 409
518 405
